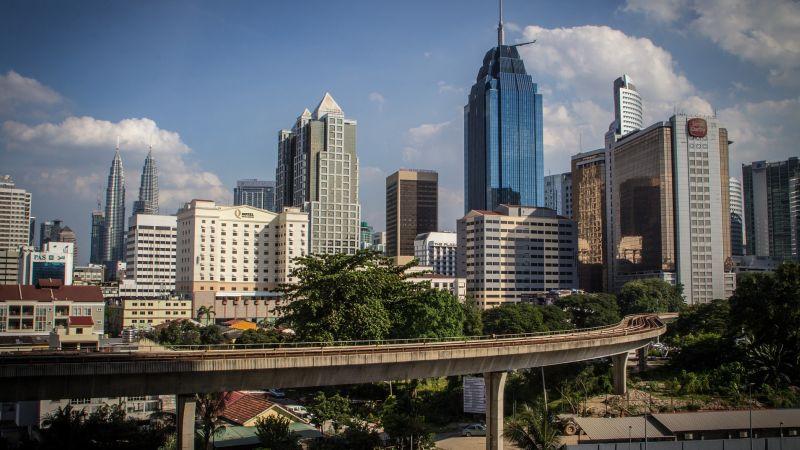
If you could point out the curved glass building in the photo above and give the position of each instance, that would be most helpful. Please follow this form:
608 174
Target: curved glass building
503 151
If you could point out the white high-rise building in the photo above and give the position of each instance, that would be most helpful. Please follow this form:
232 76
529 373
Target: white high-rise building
150 257
318 171
55 260
437 250
234 258
15 214
627 106
738 231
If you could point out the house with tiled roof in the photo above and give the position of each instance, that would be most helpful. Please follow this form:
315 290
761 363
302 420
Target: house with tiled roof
245 408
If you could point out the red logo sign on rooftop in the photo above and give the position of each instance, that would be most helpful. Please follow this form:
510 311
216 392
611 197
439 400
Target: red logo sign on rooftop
697 127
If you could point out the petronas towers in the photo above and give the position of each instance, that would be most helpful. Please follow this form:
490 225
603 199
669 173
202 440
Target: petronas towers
113 228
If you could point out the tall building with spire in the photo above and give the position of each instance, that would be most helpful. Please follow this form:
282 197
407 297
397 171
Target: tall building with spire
318 170
503 145
148 188
114 227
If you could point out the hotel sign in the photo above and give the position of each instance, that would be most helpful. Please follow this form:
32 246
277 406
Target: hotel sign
243 214
697 127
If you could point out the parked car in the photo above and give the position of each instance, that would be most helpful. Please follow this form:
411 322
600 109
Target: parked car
277 393
475 429
299 410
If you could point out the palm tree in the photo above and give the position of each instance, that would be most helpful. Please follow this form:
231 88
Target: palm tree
209 409
207 311
533 429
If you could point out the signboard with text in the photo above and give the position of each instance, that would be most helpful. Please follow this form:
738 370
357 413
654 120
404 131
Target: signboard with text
474 395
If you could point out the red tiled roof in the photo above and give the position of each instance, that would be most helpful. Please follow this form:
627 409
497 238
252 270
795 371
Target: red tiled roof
81 320
43 294
241 407
52 283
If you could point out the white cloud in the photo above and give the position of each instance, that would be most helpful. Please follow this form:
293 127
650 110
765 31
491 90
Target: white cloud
18 93
664 11
427 55
72 157
577 67
426 131
446 87
378 98
763 32
764 130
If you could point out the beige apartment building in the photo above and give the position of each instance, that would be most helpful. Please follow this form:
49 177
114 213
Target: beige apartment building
147 313
234 258
508 254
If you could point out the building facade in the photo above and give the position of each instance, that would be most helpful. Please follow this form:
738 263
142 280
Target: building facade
379 241
318 171
589 214
233 258
508 254
503 134
449 283
150 257
437 250
628 111
38 309
366 234
9 266
15 214
412 208
97 227
148 188
558 193
90 275
147 313
737 216
256 193
54 261
114 224
770 208
670 207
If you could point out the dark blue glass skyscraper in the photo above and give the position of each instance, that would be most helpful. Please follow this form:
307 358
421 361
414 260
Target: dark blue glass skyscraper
503 150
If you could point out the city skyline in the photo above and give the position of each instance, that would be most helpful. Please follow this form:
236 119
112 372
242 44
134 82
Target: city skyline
203 151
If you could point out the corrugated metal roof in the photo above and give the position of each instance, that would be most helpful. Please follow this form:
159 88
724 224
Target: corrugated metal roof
612 429
729 420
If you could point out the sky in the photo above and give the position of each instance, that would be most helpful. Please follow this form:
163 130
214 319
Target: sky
209 85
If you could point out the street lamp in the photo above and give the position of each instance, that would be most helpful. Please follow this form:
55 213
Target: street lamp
780 439
630 428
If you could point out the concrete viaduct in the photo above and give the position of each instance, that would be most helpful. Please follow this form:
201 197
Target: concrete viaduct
61 375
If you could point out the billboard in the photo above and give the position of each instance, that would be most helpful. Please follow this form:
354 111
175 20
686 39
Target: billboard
474 395
697 127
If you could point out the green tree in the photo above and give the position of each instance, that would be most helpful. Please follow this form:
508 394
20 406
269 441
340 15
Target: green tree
404 422
511 318
207 312
335 409
364 296
259 336
650 295
209 409
275 434
473 324
766 306
533 429
713 317
554 318
64 428
426 312
211 335
590 310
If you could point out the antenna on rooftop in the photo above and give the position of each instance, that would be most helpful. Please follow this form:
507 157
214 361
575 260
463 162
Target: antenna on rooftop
500 35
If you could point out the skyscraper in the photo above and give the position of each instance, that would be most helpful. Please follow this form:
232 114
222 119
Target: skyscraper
256 193
114 229
770 191
366 234
503 150
15 216
589 214
671 216
737 217
148 187
627 107
412 208
98 224
558 193
318 170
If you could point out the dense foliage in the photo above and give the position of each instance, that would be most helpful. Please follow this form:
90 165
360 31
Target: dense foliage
259 336
108 427
649 296
590 310
533 429
274 433
365 297
184 332
511 318
334 409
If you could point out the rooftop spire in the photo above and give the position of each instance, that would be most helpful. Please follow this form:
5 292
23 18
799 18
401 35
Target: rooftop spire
501 38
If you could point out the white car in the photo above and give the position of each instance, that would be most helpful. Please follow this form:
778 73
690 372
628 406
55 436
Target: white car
298 410
277 393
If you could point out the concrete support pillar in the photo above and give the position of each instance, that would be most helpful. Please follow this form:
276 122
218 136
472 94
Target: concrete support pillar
641 354
185 406
495 385
619 374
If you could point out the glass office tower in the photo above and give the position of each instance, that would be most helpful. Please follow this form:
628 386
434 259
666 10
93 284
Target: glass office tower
503 161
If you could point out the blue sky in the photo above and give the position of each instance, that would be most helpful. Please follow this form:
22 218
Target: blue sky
209 84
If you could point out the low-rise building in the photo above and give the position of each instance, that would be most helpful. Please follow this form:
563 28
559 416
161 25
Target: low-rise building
38 309
149 312
77 335
90 275
514 251
454 285
437 250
